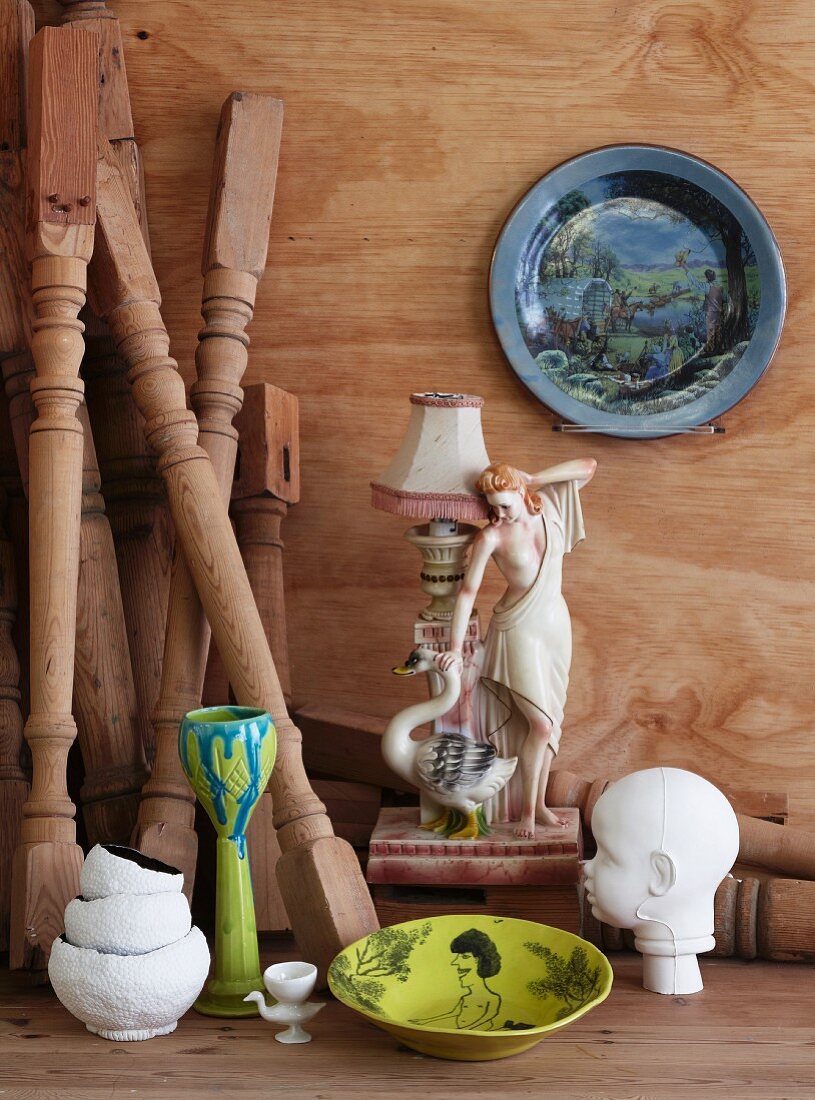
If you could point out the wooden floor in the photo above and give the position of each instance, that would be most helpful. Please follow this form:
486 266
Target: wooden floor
751 1033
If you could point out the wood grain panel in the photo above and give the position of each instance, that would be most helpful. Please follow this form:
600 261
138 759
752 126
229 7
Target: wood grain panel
410 134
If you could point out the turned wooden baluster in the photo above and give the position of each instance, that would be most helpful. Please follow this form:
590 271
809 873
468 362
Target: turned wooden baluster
134 494
319 876
236 242
104 697
16 31
13 781
267 483
61 212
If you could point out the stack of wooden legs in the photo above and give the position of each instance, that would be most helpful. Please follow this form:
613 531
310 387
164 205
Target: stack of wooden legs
102 512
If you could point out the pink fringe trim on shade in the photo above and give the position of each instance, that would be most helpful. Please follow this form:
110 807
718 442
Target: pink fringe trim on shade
428 505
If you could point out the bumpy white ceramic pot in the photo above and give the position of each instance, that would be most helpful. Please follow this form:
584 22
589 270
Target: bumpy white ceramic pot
111 869
130 997
127 924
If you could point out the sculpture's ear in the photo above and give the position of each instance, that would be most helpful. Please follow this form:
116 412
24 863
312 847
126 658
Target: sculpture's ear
662 874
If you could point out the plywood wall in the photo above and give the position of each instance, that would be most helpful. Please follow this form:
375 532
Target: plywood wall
412 128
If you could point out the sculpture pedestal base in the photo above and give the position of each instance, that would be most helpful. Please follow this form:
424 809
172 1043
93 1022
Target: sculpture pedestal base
415 873
401 852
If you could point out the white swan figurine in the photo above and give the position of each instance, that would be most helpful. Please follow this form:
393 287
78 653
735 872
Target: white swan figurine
452 772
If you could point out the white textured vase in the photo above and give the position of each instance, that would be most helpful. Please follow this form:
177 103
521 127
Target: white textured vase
127 924
111 869
130 997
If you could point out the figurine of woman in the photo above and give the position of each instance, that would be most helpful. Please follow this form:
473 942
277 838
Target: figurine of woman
524 667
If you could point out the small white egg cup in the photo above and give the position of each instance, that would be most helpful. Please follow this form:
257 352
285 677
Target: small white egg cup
290 983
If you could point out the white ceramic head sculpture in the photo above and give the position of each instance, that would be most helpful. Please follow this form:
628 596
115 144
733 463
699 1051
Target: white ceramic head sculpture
665 840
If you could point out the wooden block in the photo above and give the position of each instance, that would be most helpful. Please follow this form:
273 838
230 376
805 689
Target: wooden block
62 114
121 271
264 852
746 935
345 744
16 31
115 119
319 883
769 805
612 938
352 807
269 445
779 848
553 905
243 186
402 853
15 301
786 920
724 917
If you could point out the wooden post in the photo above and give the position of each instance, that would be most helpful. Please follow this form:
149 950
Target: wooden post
241 197
61 189
104 697
134 494
139 519
16 31
13 781
777 848
267 483
320 879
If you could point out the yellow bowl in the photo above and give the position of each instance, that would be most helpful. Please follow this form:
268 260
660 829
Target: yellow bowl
471 988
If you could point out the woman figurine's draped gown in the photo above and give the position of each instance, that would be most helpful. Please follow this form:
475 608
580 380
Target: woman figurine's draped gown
524 665
528 649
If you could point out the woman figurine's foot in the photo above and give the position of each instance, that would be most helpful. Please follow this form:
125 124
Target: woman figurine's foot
547 817
525 829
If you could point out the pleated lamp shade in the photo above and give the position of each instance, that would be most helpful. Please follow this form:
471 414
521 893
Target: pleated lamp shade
434 472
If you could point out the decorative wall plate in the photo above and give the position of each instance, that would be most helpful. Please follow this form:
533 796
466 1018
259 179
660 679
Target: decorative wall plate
637 291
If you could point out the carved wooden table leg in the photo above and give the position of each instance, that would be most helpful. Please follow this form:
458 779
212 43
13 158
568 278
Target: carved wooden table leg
60 187
269 481
16 31
103 683
134 494
139 518
104 695
237 237
13 781
320 878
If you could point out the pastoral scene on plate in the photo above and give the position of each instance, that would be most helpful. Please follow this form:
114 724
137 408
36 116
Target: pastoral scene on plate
637 294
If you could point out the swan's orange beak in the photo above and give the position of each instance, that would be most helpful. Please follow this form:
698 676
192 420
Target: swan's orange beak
403 670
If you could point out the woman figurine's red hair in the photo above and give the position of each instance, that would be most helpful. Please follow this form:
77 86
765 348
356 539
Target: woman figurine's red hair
524 673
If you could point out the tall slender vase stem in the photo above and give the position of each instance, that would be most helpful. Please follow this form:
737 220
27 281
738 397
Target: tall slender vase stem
237 962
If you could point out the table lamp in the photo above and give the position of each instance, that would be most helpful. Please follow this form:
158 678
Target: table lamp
432 477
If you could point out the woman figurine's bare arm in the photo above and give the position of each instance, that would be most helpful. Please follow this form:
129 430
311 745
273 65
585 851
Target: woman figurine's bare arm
580 470
483 546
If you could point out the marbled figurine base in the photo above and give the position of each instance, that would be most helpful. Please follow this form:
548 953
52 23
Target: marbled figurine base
402 853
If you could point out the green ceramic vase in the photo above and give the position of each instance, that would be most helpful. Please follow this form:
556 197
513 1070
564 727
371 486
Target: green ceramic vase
227 754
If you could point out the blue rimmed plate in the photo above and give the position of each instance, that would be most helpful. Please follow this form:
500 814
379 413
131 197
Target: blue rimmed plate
637 291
